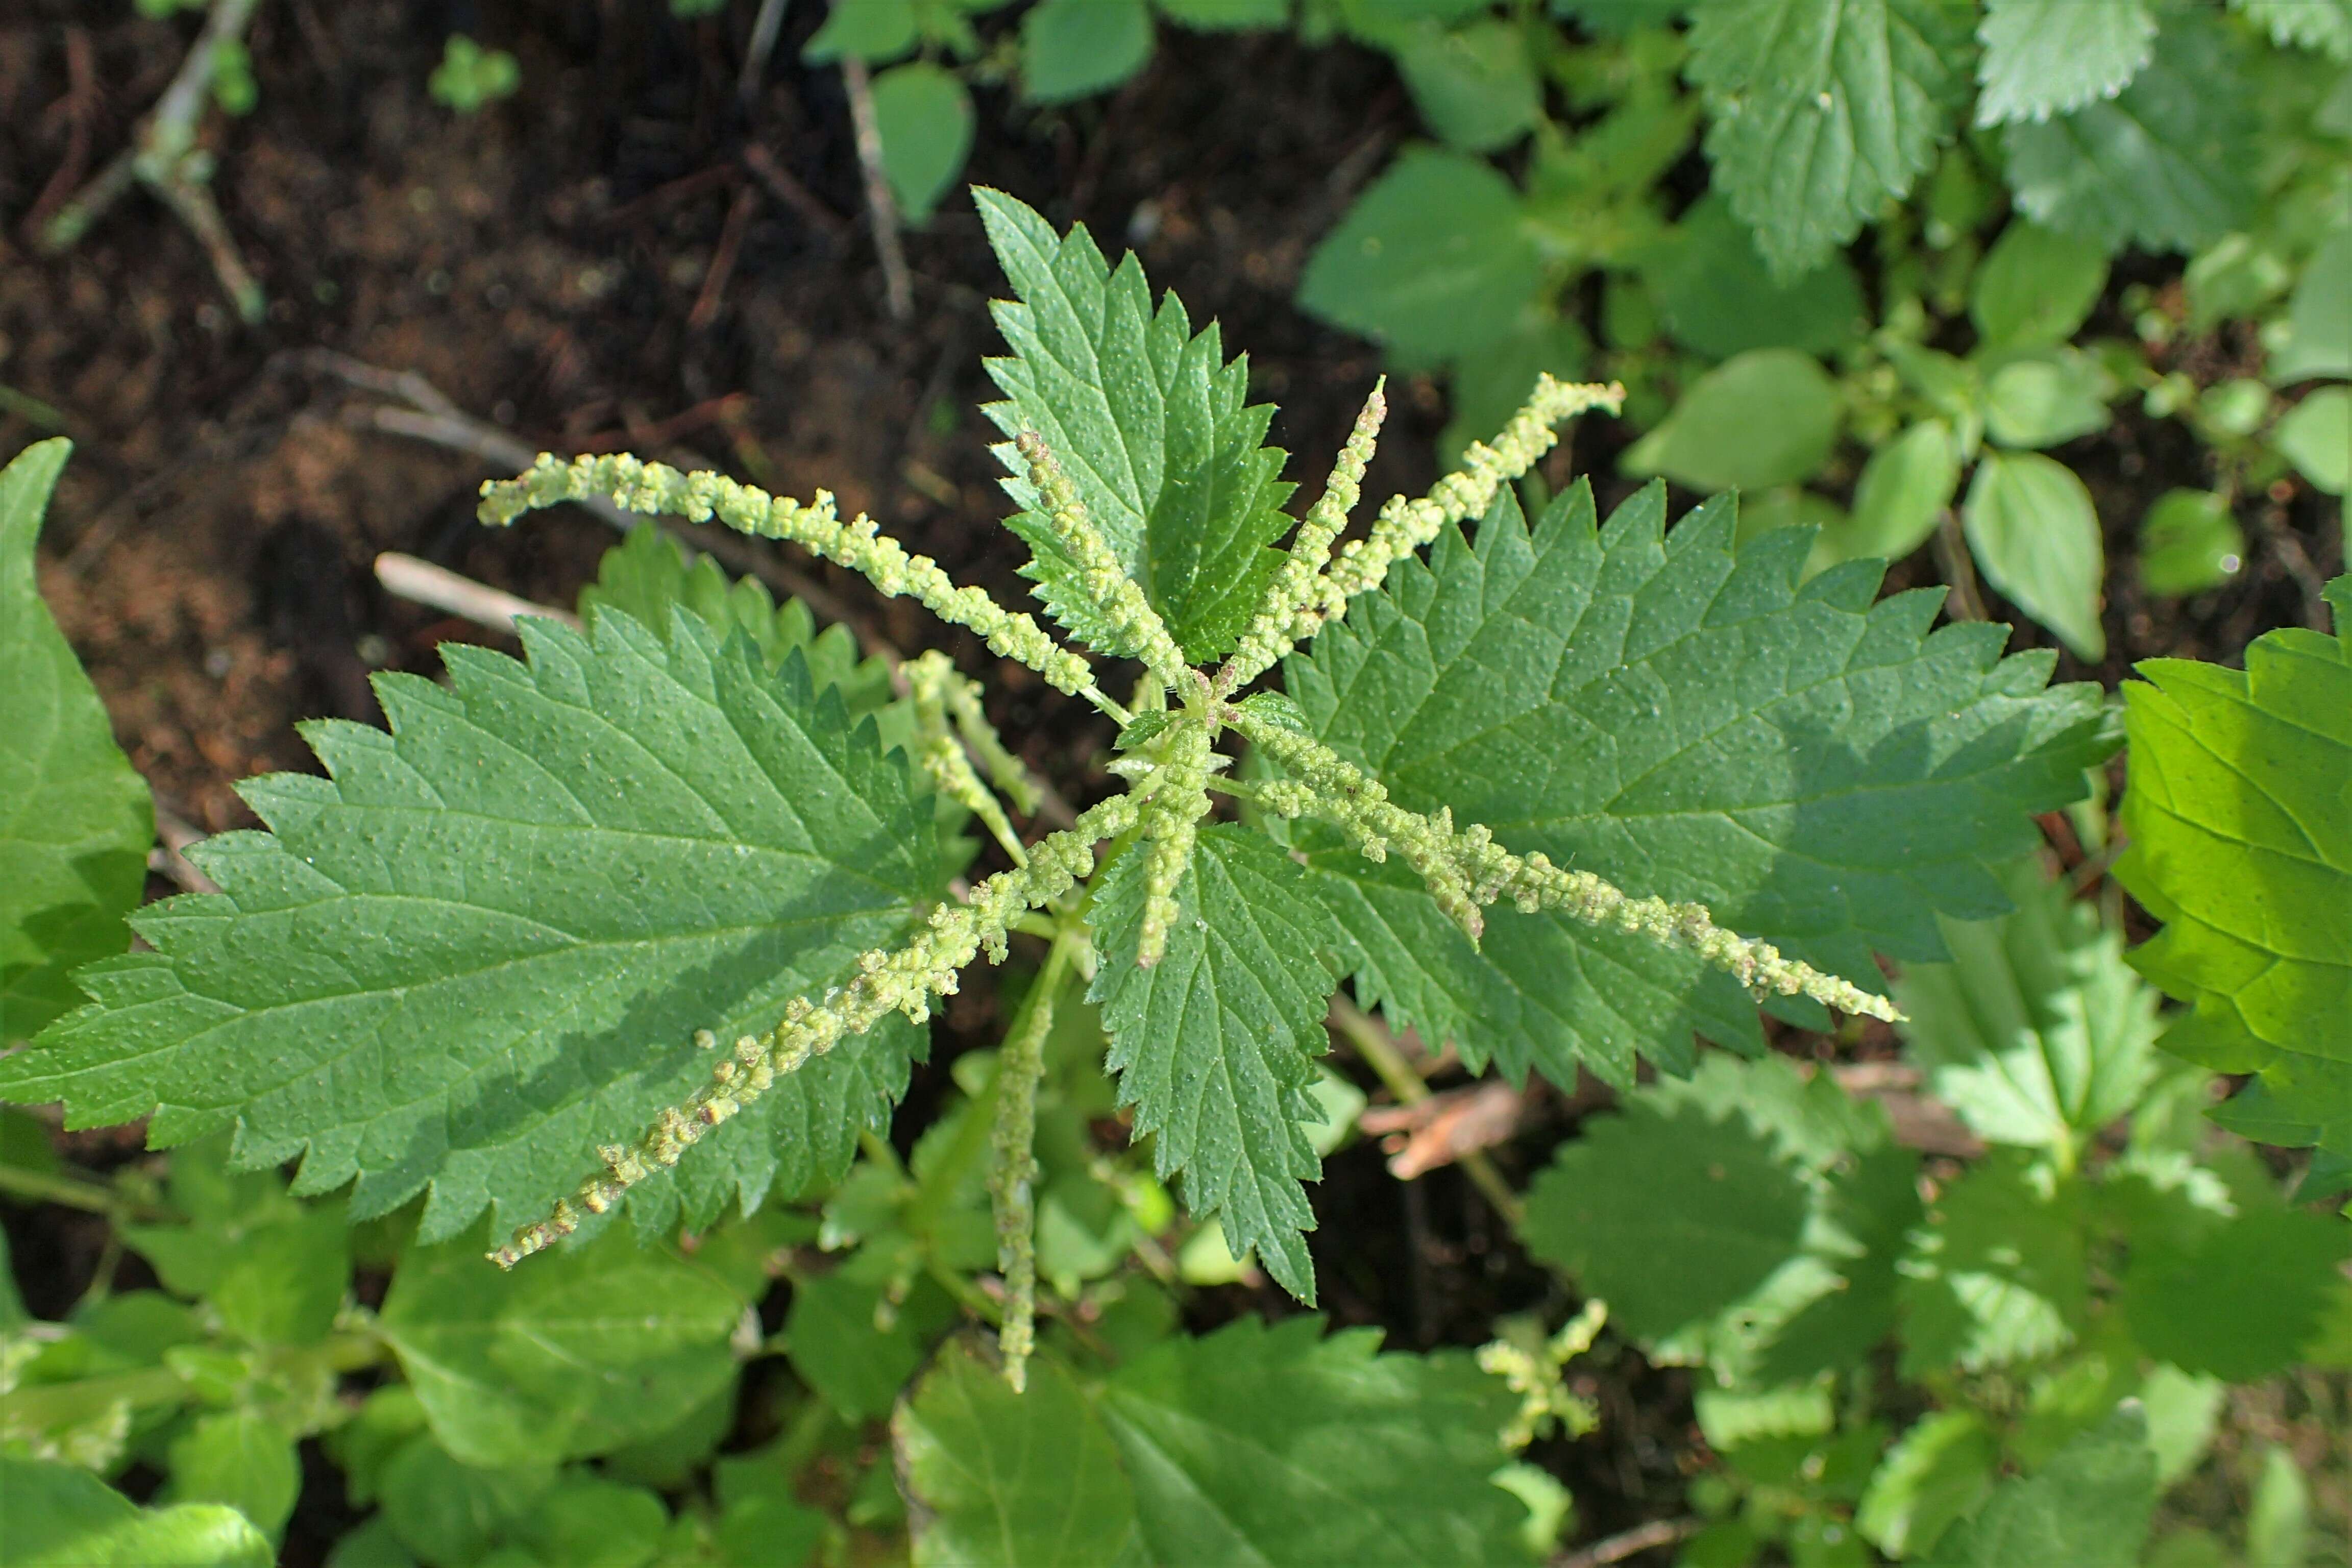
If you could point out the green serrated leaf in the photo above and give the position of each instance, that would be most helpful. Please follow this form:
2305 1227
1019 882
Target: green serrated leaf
1214 1046
2032 527
1434 261
2322 25
1823 110
2089 1507
1939 1470
61 1517
1149 421
447 1511
483 946
1279 1445
2241 841
2233 1296
2049 56
1997 1276
1257 1445
1690 720
1668 1214
2036 1032
2161 166
590 1348
75 820
1012 1480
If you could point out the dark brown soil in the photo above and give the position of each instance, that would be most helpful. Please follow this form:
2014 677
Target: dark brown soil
590 265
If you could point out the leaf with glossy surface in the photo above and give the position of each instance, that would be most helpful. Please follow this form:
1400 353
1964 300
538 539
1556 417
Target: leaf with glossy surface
1690 721
2037 1033
2161 166
1073 48
2089 1507
61 1517
1476 84
1900 498
1668 1214
2317 437
1012 1480
2190 542
924 117
1434 259
1938 1471
1151 425
2035 287
2047 57
1767 417
2240 840
554 874
2031 528
1279 1446
1823 110
592 1347
1719 298
2319 316
1214 1045
75 820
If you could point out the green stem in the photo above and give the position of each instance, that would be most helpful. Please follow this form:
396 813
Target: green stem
41 1187
1374 1043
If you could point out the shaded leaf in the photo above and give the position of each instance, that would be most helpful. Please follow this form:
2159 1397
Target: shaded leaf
1688 720
75 820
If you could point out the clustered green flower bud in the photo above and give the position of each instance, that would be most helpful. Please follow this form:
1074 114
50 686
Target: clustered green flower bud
902 981
1404 526
1013 1174
1116 596
1466 870
1176 797
1268 638
932 683
858 544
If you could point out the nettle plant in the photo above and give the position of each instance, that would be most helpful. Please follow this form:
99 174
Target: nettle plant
649 923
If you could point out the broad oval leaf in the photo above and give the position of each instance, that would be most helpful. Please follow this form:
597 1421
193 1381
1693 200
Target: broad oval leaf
483 946
2030 525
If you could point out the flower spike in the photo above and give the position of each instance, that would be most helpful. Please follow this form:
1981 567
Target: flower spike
858 544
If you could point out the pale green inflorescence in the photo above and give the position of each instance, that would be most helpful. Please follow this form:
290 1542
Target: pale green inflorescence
858 544
1404 526
933 685
905 981
1467 869
1464 870
1269 636
1116 596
